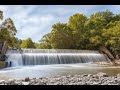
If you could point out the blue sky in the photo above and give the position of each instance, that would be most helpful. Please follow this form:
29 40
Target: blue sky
34 21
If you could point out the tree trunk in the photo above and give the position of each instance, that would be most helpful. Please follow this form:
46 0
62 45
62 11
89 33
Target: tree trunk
117 57
108 53
3 49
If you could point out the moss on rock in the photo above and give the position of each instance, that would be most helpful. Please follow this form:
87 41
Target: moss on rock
2 64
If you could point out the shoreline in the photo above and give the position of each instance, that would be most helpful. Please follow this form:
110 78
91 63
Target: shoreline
82 79
117 62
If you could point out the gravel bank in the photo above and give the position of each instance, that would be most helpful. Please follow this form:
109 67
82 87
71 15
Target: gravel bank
85 79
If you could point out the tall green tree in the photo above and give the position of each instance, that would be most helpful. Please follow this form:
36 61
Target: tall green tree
80 32
37 45
28 43
8 31
61 36
95 24
77 25
45 42
112 38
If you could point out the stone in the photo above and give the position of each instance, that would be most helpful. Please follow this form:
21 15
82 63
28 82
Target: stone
85 79
2 81
102 74
18 83
95 76
11 80
25 83
118 75
85 75
2 84
89 75
27 79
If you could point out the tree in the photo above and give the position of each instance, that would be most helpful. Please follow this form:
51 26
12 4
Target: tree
8 31
100 29
112 38
77 25
60 36
37 45
1 15
28 43
96 23
45 42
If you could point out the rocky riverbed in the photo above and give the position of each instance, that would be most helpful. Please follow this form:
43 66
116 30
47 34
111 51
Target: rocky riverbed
85 79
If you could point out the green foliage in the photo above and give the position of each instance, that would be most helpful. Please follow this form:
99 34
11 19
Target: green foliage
1 15
60 36
37 46
112 37
96 23
2 64
8 31
76 23
80 32
101 28
45 42
28 43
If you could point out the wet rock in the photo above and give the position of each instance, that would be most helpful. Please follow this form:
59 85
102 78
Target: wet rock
18 83
95 76
11 81
2 84
27 79
89 75
84 75
25 83
2 81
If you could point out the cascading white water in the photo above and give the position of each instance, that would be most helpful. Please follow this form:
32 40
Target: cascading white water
53 56
16 59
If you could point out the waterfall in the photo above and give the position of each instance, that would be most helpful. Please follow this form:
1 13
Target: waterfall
14 59
53 56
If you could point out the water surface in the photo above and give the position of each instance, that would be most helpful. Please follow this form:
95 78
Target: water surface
37 71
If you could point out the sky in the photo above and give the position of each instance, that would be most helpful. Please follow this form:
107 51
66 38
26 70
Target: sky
34 21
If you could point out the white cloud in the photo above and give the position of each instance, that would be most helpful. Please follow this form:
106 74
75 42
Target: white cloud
27 25
35 25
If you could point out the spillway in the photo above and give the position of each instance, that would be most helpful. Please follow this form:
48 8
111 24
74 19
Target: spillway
53 56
